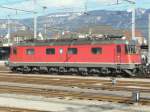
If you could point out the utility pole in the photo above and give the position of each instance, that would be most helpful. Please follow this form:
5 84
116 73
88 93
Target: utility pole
149 40
133 22
133 17
86 7
8 29
117 1
45 27
35 20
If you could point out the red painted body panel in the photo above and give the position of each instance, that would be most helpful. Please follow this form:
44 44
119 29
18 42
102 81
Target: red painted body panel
109 54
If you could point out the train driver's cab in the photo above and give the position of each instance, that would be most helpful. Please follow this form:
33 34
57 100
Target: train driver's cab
131 49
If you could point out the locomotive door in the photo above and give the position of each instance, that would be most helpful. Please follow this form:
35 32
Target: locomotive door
118 54
61 55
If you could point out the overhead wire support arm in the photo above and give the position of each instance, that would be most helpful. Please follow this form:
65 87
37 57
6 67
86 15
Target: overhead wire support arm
10 8
129 1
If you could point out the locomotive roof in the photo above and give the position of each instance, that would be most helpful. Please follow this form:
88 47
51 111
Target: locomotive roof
55 42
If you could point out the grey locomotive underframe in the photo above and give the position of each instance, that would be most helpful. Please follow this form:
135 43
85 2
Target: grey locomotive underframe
86 65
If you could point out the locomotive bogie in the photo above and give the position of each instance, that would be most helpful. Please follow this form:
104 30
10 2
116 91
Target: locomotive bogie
101 70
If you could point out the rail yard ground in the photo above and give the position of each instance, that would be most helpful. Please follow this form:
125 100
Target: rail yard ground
55 93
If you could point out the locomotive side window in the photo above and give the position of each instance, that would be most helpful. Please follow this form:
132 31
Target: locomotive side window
30 51
50 51
118 49
96 50
72 51
15 51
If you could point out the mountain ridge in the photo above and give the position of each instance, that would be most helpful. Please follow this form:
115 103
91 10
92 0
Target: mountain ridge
75 20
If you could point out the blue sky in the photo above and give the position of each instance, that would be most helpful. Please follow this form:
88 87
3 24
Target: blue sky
63 6
143 3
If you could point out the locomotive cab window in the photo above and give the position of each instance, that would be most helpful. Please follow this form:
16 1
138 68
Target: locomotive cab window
15 51
50 51
130 49
30 51
96 50
72 51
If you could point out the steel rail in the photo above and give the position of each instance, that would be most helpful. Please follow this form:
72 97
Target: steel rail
69 95
9 109
80 83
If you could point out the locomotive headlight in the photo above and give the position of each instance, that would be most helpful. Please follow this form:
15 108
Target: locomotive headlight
127 42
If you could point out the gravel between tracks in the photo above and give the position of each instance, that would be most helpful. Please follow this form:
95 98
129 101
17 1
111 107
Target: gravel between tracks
53 104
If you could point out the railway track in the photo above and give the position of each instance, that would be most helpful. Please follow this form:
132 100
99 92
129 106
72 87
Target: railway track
69 95
105 84
9 109
17 84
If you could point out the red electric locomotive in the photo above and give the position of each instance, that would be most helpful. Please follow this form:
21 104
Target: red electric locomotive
85 56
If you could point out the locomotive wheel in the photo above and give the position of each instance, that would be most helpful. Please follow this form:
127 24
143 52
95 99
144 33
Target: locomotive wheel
19 69
26 70
49 71
13 69
43 70
35 70
84 73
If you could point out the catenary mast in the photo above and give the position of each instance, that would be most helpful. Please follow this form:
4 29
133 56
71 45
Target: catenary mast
35 20
133 17
149 41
